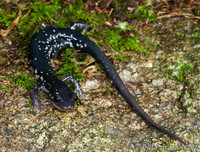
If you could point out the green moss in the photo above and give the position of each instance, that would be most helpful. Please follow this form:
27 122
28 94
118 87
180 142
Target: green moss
30 104
69 67
180 73
40 13
22 80
76 13
6 19
4 87
143 12
120 43
121 6
196 35
181 70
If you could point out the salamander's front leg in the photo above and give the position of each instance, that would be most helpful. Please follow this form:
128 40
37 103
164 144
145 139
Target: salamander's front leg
81 26
34 99
75 83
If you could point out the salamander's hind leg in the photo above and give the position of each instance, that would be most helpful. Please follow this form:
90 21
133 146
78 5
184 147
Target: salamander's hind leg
75 83
34 99
81 26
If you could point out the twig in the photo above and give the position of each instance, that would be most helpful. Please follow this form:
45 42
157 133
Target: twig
4 33
186 15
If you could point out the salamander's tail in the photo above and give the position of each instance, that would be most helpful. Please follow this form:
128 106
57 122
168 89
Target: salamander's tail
111 73
120 86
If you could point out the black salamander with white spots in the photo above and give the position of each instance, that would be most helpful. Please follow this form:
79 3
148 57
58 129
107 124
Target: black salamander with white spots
45 45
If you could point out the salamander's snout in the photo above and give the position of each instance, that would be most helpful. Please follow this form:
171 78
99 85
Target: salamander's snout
64 99
62 105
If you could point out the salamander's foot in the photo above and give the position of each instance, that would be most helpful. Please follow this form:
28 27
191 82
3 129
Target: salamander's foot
81 26
38 106
34 99
79 93
85 28
75 84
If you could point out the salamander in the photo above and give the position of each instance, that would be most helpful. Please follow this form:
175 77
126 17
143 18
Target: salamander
45 45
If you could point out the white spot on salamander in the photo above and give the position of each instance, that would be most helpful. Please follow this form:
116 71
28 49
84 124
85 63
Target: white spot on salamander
41 78
37 76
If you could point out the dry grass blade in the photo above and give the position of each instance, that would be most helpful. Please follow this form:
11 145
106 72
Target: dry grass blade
186 15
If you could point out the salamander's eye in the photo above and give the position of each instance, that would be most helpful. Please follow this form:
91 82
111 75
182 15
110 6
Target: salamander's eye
57 99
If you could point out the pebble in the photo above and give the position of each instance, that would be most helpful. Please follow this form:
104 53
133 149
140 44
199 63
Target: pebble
157 83
126 75
91 84
25 120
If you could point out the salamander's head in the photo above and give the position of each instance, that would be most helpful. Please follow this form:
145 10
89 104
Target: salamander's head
62 97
